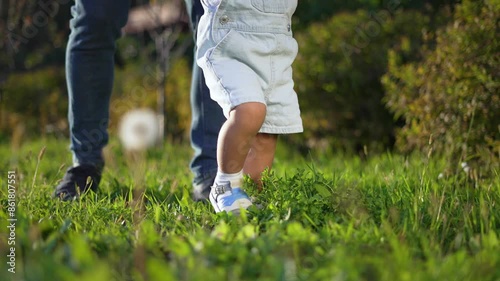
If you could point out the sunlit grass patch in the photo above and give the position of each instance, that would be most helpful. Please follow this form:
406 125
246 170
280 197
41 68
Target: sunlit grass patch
328 217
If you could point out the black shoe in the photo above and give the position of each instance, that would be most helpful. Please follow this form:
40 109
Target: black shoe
202 187
78 180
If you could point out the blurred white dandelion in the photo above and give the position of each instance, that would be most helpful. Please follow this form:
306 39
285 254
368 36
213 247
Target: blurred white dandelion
465 167
139 129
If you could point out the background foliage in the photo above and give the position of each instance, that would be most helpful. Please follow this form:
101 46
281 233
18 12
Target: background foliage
338 70
439 58
136 86
451 97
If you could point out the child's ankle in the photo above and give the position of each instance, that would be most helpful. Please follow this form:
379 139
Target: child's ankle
234 180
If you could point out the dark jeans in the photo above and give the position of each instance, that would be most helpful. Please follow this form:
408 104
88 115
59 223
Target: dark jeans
95 27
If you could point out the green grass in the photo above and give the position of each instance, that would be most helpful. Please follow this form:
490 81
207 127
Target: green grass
325 217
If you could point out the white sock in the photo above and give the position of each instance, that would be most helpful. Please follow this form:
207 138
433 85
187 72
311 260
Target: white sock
234 180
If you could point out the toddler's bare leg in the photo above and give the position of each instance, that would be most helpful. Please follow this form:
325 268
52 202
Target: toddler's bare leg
260 157
238 134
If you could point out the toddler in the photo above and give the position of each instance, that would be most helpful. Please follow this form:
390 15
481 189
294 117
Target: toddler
246 49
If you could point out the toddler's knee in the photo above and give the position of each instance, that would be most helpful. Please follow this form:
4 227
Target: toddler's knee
258 110
255 110
251 115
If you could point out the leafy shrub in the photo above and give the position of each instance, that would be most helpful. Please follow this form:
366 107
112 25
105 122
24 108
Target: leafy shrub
309 11
34 34
338 71
452 96
35 100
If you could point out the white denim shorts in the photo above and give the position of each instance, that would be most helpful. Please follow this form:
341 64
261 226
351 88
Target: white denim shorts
246 50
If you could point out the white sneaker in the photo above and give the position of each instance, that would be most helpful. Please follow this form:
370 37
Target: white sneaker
225 198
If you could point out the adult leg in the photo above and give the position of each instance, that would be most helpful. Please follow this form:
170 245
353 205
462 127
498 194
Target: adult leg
207 120
95 26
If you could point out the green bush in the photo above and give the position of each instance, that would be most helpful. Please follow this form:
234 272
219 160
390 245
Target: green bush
34 100
309 11
338 72
451 98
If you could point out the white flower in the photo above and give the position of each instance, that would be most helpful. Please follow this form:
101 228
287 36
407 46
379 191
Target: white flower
465 167
440 176
139 129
